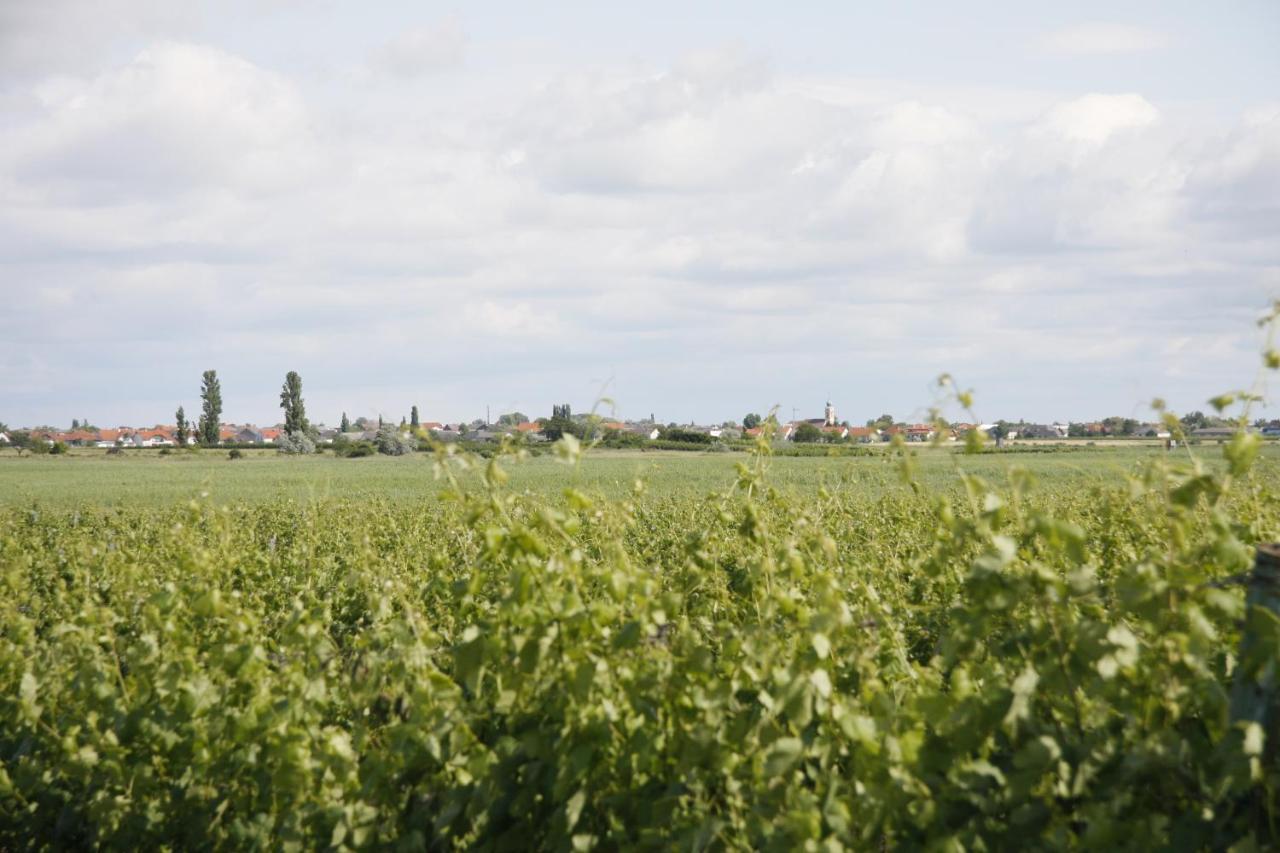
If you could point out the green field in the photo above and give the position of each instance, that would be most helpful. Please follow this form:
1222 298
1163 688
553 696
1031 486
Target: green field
90 478
921 651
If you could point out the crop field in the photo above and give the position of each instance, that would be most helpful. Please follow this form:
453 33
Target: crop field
91 478
639 650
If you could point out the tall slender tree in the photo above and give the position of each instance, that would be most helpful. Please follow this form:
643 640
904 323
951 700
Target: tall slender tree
345 426
295 410
181 432
210 407
413 418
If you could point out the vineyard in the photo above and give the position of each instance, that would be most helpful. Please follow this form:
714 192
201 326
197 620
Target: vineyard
886 661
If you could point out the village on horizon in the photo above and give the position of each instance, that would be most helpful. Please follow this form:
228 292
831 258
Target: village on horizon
828 428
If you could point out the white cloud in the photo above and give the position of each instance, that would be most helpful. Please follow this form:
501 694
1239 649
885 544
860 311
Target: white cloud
176 117
1105 38
423 50
710 217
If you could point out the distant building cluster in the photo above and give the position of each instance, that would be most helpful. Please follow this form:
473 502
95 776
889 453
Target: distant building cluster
828 428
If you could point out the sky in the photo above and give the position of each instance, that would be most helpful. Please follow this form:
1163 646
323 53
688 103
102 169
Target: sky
693 210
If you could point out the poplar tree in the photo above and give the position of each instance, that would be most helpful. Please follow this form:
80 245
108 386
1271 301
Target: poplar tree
295 411
413 418
211 407
345 426
181 432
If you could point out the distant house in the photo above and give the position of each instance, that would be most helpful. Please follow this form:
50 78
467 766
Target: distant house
112 437
647 430
863 434
155 437
1215 432
248 435
1037 431
78 438
919 432
271 435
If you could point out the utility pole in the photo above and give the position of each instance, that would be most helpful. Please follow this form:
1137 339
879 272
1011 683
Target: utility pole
486 414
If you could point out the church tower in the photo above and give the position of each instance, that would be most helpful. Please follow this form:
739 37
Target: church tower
829 414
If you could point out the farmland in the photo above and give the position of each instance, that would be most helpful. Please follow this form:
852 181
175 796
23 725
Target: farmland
992 651
91 478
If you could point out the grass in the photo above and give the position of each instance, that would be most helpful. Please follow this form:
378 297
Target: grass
90 478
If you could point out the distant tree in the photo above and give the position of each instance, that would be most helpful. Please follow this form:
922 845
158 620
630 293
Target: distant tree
1194 420
750 421
807 433
511 419
561 422
75 424
295 410
345 426
403 423
392 442
413 418
362 423
687 436
296 443
999 432
181 433
211 407
1076 431
882 422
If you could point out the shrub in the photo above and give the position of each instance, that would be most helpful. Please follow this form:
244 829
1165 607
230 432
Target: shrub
234 453
391 443
354 449
807 434
687 436
296 443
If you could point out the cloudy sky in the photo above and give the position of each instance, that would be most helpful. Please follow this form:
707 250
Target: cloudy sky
704 209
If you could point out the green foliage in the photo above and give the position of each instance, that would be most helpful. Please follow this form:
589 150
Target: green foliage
295 409
235 453
807 433
561 423
975 665
391 442
684 436
181 433
751 421
295 444
211 407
